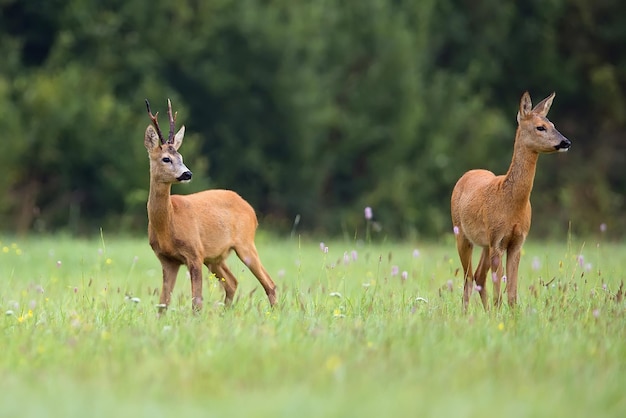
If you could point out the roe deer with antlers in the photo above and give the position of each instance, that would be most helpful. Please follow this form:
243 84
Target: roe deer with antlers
196 229
494 212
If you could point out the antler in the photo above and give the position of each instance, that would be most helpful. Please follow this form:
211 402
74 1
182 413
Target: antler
172 118
155 122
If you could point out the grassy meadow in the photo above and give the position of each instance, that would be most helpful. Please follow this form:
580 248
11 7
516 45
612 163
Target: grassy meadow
362 329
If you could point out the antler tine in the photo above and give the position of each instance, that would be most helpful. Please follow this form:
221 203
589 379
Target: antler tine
172 118
155 122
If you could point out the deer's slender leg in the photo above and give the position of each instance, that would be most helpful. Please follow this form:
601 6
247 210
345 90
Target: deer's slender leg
497 271
195 271
227 279
481 275
170 272
512 265
465 248
248 254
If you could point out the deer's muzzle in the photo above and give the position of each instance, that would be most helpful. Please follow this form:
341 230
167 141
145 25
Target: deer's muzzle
186 176
563 145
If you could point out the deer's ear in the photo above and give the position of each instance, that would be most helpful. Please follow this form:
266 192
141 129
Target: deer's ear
151 139
178 138
525 107
544 105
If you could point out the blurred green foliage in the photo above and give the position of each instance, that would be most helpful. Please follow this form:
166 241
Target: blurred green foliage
310 108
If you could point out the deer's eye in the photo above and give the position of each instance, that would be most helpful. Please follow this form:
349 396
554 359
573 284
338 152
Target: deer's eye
166 160
541 128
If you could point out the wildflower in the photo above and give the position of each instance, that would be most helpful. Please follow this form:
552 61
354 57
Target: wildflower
603 227
368 213
494 277
421 299
9 313
581 260
450 285
354 255
335 294
504 279
346 258
5 249
405 275
39 288
477 288
323 248
135 259
456 230
501 326
337 313
596 313
281 273
604 286
59 263
416 253
135 300
108 261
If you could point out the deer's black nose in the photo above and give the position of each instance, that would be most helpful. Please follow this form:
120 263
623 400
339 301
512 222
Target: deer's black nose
185 176
564 145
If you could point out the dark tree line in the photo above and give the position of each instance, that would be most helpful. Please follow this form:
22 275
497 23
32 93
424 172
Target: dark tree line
316 108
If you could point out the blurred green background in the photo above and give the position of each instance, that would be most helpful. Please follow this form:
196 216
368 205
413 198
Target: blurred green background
310 108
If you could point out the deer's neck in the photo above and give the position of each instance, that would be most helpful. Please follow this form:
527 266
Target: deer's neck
159 205
518 181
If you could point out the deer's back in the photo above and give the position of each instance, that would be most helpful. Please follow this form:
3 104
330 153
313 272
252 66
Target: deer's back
215 210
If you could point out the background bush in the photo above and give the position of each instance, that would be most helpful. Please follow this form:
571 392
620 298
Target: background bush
310 108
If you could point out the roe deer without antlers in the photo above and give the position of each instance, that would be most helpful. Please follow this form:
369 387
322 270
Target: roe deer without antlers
196 229
494 212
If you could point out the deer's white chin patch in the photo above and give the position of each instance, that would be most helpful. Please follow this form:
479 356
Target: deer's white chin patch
187 181
563 149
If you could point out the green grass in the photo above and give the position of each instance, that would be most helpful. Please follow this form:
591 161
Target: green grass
79 335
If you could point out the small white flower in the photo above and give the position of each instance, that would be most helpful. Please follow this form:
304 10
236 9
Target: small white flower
421 299
335 294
